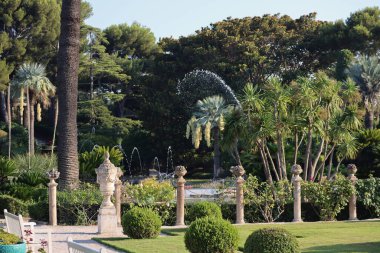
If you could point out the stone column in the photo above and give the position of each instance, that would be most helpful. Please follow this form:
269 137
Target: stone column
117 195
351 169
238 172
106 178
180 171
53 175
296 180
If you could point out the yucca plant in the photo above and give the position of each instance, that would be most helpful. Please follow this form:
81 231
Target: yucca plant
209 117
31 81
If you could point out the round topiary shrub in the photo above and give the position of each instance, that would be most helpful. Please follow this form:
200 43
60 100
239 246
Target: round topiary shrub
203 209
140 223
271 240
210 235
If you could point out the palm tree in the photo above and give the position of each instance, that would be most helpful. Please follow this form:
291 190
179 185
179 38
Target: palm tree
68 64
31 78
209 116
365 71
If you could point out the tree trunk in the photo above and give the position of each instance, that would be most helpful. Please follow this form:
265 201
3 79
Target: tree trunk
314 165
28 123
55 127
330 163
307 153
32 120
68 63
369 118
3 107
9 122
272 163
236 151
91 82
216 153
296 147
264 158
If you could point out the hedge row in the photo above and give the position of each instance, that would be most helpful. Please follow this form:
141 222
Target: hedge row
88 214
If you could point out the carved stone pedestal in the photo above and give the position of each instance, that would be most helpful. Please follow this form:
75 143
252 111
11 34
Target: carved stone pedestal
107 220
296 171
351 169
238 172
106 178
180 171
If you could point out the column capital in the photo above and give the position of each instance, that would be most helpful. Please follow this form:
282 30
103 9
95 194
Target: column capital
238 171
296 171
180 172
351 170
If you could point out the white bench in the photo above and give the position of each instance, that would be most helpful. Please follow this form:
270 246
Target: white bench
16 225
77 248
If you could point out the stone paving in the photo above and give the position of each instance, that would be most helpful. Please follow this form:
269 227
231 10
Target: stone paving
80 234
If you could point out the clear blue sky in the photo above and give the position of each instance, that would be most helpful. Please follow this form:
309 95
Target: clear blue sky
183 17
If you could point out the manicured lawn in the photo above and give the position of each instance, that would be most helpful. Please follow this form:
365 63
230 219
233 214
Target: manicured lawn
321 237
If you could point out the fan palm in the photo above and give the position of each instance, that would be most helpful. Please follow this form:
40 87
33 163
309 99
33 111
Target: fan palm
209 116
31 78
365 71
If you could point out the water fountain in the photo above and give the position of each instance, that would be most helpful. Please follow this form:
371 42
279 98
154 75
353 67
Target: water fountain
131 159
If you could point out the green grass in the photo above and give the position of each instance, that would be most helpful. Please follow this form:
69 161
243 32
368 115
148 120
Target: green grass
314 237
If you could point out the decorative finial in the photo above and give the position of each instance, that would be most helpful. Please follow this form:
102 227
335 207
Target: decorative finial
106 155
180 171
296 169
351 169
237 170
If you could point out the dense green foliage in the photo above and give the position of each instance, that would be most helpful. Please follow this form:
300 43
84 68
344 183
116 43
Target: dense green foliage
140 223
209 235
270 200
80 206
271 240
150 191
8 239
13 205
368 157
158 196
89 161
329 196
7 170
98 126
29 31
203 209
368 194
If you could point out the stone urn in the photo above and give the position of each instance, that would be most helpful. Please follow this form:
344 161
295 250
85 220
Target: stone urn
106 176
53 174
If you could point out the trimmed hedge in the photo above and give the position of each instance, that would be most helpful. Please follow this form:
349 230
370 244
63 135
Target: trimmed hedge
271 240
203 209
210 235
141 223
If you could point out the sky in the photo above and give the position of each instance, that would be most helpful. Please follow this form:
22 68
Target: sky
183 17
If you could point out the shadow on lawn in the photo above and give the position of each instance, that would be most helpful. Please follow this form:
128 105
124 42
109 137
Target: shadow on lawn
368 247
